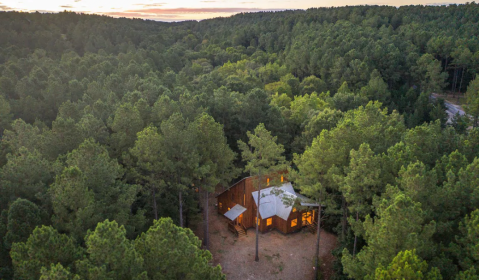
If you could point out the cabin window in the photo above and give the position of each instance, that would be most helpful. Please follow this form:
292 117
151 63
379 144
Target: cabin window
294 222
258 220
220 205
308 218
229 209
282 179
267 181
294 209
269 221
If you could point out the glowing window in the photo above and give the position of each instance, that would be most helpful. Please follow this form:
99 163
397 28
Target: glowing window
294 222
229 209
269 221
267 180
294 209
220 205
307 218
282 179
257 221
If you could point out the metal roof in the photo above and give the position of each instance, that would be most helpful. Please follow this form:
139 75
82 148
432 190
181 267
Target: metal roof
273 201
234 212
307 201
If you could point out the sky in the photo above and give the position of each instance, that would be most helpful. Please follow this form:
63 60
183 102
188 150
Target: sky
180 10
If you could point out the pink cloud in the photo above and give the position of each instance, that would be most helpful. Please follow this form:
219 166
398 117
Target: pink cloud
199 10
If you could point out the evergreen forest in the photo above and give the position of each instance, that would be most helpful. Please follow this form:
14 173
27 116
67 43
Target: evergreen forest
114 131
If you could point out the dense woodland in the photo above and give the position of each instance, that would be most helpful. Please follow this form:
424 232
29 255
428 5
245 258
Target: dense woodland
114 131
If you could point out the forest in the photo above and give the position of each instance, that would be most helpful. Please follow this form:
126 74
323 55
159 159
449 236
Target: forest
114 131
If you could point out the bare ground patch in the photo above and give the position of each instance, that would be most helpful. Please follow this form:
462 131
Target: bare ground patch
282 256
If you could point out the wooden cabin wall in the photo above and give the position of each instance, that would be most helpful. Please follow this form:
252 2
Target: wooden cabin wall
250 213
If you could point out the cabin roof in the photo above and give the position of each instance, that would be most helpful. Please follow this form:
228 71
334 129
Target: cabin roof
234 212
274 201
231 186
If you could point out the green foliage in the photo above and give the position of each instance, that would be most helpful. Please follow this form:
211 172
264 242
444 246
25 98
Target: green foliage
362 180
467 247
263 156
399 225
472 95
110 254
25 175
430 75
165 246
23 217
5 114
376 89
57 272
116 109
406 265
44 247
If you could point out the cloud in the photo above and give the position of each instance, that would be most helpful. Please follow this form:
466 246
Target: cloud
5 8
199 10
76 1
180 14
66 6
440 4
151 5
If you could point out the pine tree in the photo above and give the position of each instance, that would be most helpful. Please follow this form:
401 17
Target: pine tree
263 157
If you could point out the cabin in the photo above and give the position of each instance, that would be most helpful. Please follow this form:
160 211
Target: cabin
238 204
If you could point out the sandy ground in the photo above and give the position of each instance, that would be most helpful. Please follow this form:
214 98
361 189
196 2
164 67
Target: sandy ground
281 256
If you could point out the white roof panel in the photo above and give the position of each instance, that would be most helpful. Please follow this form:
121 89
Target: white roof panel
272 201
234 212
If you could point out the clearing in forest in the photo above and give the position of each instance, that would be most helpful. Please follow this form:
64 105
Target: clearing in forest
282 256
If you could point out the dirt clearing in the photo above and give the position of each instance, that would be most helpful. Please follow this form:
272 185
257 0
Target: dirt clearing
281 256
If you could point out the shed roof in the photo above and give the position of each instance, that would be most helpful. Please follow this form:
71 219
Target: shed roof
234 212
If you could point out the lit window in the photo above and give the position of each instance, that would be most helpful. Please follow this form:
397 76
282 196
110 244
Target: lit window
294 209
257 221
294 222
282 179
267 180
308 218
220 205
269 221
229 209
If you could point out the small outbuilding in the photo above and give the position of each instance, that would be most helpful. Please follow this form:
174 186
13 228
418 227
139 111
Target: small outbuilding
238 204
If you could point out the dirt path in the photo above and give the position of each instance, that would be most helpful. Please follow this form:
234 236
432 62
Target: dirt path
281 256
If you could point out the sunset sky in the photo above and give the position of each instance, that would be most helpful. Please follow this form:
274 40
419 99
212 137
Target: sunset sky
178 10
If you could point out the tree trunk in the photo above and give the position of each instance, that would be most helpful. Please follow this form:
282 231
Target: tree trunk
181 209
355 237
155 207
317 241
206 239
460 84
256 258
344 219
453 86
